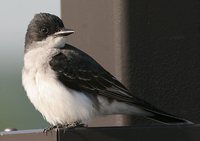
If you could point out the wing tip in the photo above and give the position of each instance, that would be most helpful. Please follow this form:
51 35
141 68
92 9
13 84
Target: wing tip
169 119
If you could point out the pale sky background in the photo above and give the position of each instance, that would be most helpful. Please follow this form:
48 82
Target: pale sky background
15 108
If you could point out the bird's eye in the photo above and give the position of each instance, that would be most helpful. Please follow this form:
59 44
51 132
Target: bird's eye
44 30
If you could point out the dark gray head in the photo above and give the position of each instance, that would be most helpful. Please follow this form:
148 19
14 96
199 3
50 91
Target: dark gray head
44 25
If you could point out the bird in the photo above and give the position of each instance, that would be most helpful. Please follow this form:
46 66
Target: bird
70 88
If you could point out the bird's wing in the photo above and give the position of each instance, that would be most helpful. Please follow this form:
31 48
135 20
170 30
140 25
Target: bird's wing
78 71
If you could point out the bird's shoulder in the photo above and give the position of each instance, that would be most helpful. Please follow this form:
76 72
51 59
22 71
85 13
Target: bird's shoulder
72 58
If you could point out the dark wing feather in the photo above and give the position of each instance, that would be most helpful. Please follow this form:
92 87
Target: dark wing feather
76 70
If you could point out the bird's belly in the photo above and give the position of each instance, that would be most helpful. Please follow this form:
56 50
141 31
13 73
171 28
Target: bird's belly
58 104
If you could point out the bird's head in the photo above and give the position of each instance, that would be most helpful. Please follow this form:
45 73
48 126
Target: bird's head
46 28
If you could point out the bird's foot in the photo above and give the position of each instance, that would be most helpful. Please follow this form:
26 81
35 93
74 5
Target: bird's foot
74 124
47 129
65 126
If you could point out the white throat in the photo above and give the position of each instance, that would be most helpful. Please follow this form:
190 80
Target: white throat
51 41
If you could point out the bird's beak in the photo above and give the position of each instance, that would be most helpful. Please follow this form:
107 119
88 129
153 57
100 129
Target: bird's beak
64 32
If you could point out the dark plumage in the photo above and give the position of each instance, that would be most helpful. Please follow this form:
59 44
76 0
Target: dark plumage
78 71
37 30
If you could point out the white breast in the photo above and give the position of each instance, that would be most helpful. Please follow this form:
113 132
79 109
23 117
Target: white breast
58 104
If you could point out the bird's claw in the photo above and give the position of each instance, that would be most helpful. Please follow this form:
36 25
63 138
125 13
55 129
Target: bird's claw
65 126
47 129
74 124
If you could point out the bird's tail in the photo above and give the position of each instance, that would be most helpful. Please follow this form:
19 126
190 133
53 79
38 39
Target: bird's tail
166 118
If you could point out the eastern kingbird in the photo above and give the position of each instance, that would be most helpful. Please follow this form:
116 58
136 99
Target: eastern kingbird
68 86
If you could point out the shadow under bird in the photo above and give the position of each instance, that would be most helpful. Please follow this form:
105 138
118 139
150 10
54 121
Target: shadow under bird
69 87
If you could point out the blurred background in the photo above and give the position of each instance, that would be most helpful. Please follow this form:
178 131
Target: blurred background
152 47
15 108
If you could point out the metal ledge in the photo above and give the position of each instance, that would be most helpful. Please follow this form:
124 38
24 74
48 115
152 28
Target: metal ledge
128 133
